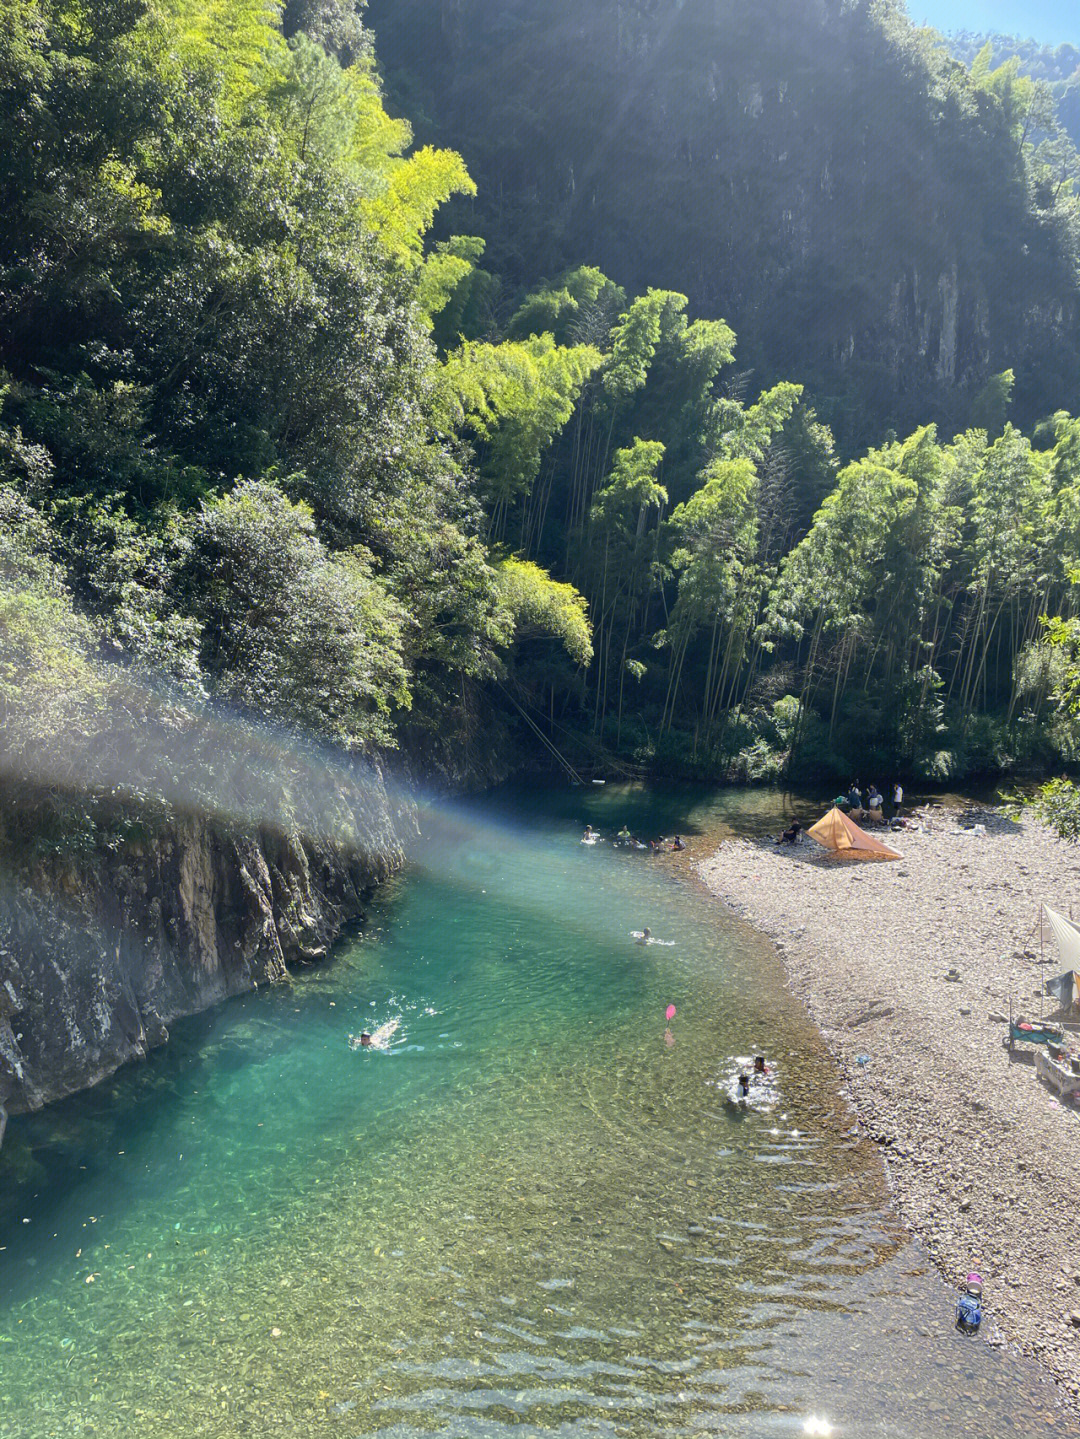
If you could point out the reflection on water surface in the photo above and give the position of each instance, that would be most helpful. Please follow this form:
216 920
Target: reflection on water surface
536 1211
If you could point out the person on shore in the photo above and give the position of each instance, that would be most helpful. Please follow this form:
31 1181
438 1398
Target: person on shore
677 844
791 834
875 803
898 795
854 800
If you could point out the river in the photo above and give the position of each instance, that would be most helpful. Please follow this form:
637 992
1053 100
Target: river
535 1212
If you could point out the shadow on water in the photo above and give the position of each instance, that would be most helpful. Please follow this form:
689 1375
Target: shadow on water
537 1211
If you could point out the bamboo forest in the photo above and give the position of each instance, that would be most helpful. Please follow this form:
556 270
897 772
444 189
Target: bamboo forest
277 430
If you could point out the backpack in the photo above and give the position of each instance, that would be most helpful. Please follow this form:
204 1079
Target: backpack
968 1313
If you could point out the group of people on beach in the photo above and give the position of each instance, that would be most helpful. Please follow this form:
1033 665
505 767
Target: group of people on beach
871 804
868 806
630 841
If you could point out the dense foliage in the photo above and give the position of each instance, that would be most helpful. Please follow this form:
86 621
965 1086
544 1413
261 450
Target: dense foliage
1055 66
755 601
224 458
269 443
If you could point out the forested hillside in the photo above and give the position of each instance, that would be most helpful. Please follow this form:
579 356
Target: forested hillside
1055 66
871 218
222 451
271 441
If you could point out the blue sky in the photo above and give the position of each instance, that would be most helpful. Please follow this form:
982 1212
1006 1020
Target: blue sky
1051 21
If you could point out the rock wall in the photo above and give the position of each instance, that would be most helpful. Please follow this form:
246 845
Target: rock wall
801 169
104 945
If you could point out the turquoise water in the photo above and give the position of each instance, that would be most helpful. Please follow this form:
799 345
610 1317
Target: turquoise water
535 1212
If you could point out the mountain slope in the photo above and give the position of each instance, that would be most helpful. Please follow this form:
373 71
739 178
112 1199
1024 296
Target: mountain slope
821 174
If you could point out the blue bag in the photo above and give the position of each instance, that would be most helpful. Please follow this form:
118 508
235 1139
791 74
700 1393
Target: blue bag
968 1314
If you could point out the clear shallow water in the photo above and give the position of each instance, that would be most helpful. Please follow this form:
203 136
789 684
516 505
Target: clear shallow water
535 1213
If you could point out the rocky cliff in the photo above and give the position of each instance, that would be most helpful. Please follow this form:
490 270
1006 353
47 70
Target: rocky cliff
818 172
104 943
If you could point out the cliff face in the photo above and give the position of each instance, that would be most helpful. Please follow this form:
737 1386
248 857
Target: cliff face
103 947
810 170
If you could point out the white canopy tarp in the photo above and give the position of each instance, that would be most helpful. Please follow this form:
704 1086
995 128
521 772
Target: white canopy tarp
1067 936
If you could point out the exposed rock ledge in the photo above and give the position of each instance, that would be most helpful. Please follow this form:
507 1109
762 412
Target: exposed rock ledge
101 950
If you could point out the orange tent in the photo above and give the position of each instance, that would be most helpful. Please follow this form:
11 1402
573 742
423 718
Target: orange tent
846 840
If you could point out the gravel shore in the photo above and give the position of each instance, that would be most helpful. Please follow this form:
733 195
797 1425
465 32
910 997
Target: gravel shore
985 1164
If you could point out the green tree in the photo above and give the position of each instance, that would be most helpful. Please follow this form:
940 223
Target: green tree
288 630
514 397
625 568
715 534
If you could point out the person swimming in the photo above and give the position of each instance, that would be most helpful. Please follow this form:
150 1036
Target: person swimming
677 843
760 1067
379 1039
646 936
590 833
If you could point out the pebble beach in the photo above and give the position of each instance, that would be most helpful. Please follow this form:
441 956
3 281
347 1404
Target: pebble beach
984 1161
